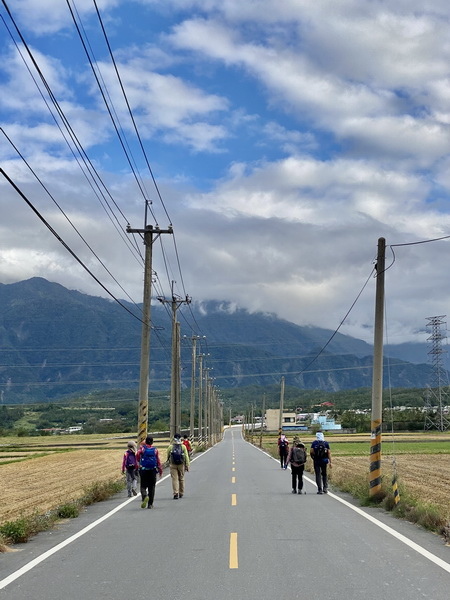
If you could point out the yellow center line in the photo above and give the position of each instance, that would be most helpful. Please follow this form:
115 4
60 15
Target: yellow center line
233 469
233 499
233 480
233 551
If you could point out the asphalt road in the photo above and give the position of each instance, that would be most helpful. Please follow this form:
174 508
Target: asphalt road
237 533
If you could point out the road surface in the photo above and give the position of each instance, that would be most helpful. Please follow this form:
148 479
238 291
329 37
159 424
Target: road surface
237 533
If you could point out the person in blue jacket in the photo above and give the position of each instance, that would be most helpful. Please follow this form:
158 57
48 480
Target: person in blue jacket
321 455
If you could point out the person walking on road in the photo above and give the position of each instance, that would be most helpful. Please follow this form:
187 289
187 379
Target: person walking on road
130 468
283 450
321 455
187 443
149 466
178 458
297 459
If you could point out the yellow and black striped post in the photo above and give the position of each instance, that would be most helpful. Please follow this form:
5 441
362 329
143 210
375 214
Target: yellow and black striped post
395 490
375 458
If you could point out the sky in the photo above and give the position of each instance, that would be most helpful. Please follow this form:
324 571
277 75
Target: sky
280 140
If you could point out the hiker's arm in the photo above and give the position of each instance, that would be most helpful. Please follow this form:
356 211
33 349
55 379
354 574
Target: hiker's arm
311 452
329 456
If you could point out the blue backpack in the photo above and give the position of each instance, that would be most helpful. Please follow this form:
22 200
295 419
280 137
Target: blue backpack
148 459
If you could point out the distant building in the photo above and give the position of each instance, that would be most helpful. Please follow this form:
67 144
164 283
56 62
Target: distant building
326 424
288 421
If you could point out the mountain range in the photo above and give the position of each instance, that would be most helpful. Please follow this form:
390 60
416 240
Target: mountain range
57 342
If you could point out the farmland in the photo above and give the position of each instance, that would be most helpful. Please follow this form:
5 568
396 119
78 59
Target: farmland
39 474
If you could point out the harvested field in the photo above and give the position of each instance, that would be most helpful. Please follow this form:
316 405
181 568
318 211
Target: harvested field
426 478
43 483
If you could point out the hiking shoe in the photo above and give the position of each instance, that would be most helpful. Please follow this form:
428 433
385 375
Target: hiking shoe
150 506
175 496
144 502
129 495
134 492
294 491
320 492
180 495
325 491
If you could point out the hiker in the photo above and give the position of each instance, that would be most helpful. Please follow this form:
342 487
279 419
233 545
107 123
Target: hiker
187 443
283 450
321 455
297 459
129 467
178 458
149 465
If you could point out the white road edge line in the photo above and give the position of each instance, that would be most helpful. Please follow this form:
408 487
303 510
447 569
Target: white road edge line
36 561
402 538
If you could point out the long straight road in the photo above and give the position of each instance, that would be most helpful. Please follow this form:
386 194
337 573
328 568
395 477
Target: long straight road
237 533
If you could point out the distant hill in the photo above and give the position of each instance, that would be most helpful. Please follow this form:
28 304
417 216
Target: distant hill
56 342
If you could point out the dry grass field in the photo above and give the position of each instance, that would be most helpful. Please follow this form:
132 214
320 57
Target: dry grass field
38 483
41 477
423 477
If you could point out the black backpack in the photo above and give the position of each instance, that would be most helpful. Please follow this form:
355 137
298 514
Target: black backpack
320 451
177 454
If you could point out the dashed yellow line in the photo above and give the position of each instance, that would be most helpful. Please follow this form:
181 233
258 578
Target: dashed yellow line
233 480
233 500
233 551
233 469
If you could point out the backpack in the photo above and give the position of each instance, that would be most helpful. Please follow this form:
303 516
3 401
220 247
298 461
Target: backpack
177 454
130 461
298 455
320 451
283 444
148 459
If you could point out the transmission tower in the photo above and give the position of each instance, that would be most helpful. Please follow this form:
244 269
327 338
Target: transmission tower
436 397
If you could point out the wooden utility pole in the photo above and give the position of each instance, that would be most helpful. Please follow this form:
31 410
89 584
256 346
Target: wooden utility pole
150 233
377 380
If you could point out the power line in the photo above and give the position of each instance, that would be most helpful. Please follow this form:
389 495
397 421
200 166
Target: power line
58 237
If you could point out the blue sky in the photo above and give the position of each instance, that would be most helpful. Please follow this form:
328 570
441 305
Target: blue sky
285 139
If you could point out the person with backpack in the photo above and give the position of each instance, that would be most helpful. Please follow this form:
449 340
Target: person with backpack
187 443
149 466
129 467
297 460
283 450
321 455
178 458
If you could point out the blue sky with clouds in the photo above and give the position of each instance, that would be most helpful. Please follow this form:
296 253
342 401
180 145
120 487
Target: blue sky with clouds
285 139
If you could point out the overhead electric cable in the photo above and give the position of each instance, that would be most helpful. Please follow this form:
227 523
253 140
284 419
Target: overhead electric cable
34 209
130 162
85 159
67 218
130 111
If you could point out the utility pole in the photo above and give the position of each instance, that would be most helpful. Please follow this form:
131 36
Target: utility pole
280 421
175 385
200 398
377 379
150 233
263 415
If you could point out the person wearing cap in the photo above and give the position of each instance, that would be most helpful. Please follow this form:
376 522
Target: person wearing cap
129 467
178 458
321 455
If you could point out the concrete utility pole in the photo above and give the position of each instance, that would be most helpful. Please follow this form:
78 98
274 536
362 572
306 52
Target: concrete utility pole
175 382
200 400
280 420
194 339
377 380
150 234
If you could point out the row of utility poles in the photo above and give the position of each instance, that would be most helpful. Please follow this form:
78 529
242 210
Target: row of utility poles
210 410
